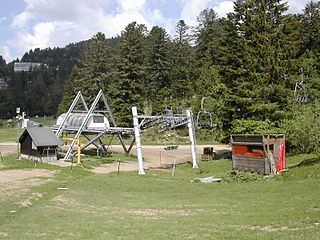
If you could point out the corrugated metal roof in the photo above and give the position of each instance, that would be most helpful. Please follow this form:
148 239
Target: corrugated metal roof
42 137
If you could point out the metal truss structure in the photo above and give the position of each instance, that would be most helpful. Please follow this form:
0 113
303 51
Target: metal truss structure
98 132
164 122
141 123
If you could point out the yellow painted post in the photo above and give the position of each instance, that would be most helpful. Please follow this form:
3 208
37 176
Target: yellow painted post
79 147
79 151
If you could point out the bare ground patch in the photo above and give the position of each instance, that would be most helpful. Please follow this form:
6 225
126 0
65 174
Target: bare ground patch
15 182
157 212
8 148
155 157
65 200
276 229
4 234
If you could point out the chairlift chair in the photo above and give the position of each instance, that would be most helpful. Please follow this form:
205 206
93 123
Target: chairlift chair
204 118
170 147
300 92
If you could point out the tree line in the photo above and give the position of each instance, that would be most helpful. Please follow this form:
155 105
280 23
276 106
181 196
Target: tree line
246 65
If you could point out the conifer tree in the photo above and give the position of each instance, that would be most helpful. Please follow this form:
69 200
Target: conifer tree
182 62
158 68
96 64
129 85
311 26
69 91
207 34
310 48
252 59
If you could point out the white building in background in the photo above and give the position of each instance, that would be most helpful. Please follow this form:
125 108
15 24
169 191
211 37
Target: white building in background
27 66
4 83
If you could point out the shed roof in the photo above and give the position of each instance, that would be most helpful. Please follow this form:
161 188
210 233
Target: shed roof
41 137
258 135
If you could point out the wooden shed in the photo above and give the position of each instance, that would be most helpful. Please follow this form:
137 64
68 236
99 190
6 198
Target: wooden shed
258 153
39 144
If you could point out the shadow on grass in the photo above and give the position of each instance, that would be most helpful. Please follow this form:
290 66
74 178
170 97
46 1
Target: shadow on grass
93 153
306 162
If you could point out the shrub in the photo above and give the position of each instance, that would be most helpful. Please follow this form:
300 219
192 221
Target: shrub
253 127
239 176
303 128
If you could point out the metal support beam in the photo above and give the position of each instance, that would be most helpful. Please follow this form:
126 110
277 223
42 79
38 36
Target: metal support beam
131 145
83 124
112 130
102 144
114 122
123 144
192 140
91 141
138 139
71 108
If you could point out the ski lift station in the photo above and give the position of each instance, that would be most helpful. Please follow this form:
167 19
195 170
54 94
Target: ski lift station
74 120
93 123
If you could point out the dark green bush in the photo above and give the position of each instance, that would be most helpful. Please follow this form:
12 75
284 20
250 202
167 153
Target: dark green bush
239 176
302 128
254 127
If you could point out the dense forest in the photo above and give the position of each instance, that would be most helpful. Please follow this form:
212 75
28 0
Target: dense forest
246 66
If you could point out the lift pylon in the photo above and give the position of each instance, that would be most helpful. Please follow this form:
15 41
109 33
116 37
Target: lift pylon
82 130
164 122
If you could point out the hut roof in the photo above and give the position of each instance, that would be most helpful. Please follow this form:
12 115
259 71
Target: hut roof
41 137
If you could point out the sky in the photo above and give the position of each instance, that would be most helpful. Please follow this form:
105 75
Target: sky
30 24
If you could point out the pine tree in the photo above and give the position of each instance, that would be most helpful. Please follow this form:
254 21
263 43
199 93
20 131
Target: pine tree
69 91
253 60
129 87
182 62
158 68
96 64
311 26
310 48
207 34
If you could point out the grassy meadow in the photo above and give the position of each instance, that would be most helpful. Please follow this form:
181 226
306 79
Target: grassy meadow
161 206
11 134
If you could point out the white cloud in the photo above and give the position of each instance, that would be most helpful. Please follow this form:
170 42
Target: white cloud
296 6
59 22
5 52
155 18
41 36
131 5
20 21
223 8
56 23
191 9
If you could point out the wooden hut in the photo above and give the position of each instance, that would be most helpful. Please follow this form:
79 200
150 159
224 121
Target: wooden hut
258 153
39 144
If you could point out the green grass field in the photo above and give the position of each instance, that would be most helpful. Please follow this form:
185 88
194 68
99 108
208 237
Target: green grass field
161 206
10 134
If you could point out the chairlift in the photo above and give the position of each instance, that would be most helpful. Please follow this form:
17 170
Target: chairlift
204 118
170 147
300 92
168 112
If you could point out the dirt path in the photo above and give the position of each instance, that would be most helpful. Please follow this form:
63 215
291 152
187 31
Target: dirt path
155 157
7 148
15 182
